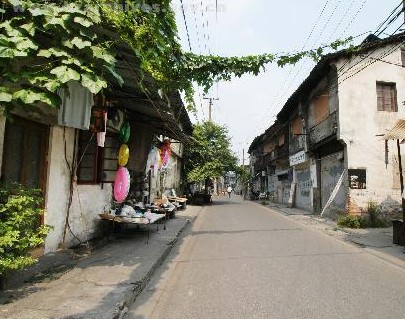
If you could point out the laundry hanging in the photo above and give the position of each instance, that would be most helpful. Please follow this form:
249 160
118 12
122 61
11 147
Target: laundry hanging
75 110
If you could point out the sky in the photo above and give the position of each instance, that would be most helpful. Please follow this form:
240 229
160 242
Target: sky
248 105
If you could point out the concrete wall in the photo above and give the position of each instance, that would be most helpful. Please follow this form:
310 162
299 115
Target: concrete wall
332 167
303 191
87 200
360 123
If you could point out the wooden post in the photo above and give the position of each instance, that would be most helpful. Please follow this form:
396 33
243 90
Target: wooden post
401 179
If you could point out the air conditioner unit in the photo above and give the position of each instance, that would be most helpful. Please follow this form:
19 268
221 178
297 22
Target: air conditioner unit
114 123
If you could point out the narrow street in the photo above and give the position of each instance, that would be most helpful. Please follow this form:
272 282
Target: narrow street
242 260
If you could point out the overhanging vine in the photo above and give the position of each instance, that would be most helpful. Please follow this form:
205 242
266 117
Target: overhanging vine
45 44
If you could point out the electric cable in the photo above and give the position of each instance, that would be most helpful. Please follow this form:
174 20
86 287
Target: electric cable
185 23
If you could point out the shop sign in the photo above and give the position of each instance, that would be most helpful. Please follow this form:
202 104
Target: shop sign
298 158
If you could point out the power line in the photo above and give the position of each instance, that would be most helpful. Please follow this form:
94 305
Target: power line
280 90
391 14
196 27
354 17
185 23
338 80
341 20
205 27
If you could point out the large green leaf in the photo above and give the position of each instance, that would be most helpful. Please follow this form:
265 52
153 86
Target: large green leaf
103 54
25 44
72 61
5 95
11 53
93 13
52 85
52 20
83 21
78 42
94 83
30 96
65 74
53 51
29 27
41 10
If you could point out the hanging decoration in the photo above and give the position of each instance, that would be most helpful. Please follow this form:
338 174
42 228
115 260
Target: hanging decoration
123 155
165 152
125 132
121 184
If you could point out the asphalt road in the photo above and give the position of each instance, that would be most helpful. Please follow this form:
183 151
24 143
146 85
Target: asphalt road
241 260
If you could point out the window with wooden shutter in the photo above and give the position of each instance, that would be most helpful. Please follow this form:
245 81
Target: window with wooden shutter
386 97
108 159
97 164
87 158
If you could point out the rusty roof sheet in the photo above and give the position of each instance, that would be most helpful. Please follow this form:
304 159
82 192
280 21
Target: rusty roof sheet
397 132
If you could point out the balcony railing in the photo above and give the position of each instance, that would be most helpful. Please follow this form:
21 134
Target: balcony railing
323 130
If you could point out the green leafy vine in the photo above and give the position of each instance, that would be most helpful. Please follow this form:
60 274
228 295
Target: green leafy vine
45 44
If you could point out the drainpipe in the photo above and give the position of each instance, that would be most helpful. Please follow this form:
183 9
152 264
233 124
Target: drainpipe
401 179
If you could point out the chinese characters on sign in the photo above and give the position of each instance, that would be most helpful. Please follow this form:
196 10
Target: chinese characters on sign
357 178
298 158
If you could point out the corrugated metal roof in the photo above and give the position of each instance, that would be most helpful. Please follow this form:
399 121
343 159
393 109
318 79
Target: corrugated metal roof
397 132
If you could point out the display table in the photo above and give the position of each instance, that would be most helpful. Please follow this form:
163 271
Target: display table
181 201
148 219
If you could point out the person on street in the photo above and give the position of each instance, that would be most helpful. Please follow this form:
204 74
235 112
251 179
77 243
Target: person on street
229 190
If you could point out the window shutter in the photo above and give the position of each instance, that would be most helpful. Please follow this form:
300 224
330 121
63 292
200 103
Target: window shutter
87 157
108 159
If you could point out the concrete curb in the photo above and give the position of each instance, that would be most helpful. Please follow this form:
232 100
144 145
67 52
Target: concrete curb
132 294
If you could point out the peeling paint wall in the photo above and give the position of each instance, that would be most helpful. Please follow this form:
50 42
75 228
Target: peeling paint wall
303 197
87 201
332 167
360 123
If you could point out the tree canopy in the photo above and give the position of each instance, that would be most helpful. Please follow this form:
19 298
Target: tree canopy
45 44
211 155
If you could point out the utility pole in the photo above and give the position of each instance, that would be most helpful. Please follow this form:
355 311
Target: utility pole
210 105
243 156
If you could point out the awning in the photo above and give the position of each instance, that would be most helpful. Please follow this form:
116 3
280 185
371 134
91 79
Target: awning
397 132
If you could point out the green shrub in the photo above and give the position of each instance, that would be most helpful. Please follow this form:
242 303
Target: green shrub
372 220
20 227
349 221
374 216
